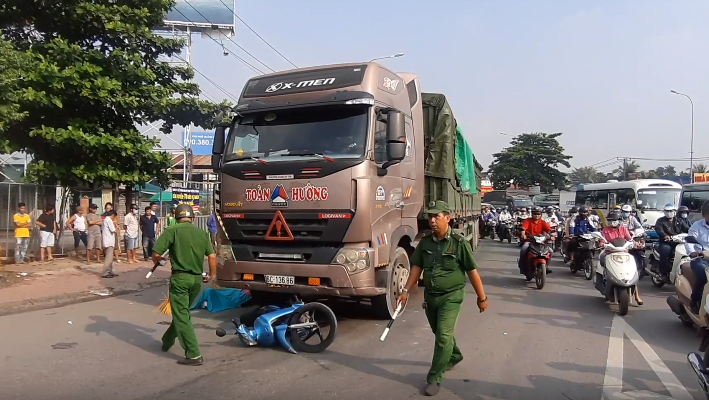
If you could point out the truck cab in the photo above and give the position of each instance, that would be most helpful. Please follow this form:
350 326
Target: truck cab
321 182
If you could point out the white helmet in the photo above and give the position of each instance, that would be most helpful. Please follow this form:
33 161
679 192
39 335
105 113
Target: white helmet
627 208
670 210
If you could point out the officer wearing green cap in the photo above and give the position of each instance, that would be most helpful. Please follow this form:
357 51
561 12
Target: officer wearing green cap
445 258
188 245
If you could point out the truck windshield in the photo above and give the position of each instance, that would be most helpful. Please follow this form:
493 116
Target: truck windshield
337 132
656 199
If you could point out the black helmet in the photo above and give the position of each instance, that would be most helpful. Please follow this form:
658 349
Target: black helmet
683 209
537 210
184 211
574 210
613 216
583 210
705 208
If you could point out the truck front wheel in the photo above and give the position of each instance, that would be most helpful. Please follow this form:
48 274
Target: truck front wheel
399 269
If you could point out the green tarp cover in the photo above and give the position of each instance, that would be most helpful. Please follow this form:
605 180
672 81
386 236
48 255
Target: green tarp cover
448 154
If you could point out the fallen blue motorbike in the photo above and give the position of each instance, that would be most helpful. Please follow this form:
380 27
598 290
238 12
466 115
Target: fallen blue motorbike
291 327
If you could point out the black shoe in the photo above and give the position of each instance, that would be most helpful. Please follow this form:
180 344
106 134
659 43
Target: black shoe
548 270
432 389
194 362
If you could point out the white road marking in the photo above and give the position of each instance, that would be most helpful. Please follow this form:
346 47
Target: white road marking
613 380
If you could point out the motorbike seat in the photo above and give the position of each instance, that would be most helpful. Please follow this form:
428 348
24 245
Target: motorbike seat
688 273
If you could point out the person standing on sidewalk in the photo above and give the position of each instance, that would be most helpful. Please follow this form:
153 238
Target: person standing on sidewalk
108 237
130 226
188 245
94 232
445 258
149 224
212 225
23 222
77 224
47 224
108 207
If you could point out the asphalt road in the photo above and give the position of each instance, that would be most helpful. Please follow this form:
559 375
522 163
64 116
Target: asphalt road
529 344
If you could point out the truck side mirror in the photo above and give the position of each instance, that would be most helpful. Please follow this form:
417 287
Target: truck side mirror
396 147
218 147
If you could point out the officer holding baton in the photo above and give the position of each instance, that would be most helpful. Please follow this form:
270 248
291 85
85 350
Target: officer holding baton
445 258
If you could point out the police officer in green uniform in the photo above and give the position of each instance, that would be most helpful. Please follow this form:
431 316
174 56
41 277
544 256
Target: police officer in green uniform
188 245
445 258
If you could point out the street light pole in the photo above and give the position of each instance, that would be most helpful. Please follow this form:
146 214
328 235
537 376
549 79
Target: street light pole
691 142
397 55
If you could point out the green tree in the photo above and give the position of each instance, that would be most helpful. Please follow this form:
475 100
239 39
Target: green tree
700 168
94 72
531 159
586 175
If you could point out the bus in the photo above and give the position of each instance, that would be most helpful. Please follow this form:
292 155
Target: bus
649 196
693 196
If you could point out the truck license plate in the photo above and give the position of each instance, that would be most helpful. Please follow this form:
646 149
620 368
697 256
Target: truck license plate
279 280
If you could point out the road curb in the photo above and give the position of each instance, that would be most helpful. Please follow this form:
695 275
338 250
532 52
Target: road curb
46 303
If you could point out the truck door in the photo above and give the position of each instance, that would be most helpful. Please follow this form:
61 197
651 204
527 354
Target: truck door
388 195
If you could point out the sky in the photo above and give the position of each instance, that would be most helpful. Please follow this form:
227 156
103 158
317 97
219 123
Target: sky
600 71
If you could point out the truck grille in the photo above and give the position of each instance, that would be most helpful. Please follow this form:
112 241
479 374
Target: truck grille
322 227
255 228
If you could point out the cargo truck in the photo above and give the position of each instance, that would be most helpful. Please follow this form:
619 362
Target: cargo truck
323 177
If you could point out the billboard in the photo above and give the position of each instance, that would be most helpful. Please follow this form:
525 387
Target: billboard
198 14
200 143
186 196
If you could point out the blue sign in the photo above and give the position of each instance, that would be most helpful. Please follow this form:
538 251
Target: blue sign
200 143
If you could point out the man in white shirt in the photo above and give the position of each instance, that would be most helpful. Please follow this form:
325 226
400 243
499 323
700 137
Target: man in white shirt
130 225
108 236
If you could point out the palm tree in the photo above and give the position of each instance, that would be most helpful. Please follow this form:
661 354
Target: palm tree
585 175
631 168
700 168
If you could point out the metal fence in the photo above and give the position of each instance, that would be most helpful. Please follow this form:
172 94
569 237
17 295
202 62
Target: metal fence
37 197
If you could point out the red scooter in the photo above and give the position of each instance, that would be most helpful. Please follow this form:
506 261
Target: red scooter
538 258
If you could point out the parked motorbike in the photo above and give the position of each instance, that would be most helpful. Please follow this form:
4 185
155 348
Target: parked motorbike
680 303
587 250
538 258
291 327
504 231
616 276
676 258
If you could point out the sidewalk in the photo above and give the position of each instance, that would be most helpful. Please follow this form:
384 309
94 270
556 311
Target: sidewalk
41 285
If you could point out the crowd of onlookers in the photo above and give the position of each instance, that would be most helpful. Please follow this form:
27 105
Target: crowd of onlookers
101 234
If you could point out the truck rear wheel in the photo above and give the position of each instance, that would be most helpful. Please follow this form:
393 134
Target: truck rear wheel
385 304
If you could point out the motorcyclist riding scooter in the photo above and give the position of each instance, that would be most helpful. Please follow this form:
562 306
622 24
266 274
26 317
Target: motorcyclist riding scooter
700 230
580 225
573 212
666 227
553 221
531 227
617 230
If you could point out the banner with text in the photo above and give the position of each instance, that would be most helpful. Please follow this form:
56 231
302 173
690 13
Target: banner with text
200 143
186 196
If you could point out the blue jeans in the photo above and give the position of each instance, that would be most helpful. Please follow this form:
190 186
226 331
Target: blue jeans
665 249
700 279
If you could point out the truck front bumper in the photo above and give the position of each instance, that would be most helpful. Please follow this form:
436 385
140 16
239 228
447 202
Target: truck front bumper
333 279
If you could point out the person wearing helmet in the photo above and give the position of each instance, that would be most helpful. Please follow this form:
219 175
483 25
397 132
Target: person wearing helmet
531 227
666 227
188 245
505 215
683 217
594 218
580 225
615 230
700 230
630 222
550 217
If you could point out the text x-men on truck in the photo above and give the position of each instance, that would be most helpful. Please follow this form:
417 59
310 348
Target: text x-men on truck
323 178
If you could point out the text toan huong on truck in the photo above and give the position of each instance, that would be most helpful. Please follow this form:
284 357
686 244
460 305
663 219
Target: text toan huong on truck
324 177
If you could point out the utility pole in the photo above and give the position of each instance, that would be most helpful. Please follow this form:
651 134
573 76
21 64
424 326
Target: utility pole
625 169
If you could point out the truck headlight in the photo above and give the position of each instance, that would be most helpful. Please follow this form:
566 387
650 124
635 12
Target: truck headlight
355 260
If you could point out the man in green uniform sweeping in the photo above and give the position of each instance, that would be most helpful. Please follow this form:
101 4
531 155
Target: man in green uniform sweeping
445 258
188 245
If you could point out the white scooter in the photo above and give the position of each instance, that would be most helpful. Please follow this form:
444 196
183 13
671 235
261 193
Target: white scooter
617 275
679 257
680 302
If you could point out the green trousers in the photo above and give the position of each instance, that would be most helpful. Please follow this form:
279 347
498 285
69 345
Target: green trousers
184 289
442 313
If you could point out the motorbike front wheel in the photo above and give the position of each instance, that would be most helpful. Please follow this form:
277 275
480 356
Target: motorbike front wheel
587 269
623 301
540 275
323 317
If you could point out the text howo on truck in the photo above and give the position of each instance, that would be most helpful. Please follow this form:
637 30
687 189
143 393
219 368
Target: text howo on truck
323 176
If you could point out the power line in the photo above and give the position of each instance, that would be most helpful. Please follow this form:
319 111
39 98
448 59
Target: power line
226 92
258 71
257 35
230 39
